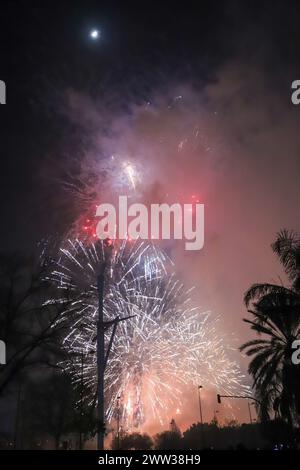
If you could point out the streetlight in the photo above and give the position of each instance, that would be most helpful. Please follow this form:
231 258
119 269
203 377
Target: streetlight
200 405
200 410
246 397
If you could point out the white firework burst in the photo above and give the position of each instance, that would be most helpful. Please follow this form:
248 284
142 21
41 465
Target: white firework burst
165 345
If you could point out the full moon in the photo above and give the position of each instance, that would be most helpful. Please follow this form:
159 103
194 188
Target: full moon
94 33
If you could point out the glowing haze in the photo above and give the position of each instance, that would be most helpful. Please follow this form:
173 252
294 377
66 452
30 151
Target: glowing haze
164 347
214 145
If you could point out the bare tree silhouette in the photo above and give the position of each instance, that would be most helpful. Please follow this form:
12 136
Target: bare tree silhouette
28 323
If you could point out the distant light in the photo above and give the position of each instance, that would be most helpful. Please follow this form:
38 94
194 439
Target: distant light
95 34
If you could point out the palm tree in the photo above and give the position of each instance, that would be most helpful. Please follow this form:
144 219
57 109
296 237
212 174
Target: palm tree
276 320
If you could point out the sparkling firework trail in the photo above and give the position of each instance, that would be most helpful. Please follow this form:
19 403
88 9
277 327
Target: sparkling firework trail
101 182
167 344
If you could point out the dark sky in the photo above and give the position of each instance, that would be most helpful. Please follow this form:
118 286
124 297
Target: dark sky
45 49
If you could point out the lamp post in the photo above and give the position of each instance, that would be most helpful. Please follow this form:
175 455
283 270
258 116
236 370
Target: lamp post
200 411
200 405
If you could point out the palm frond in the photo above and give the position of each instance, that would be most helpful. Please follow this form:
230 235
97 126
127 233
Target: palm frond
254 342
287 248
257 291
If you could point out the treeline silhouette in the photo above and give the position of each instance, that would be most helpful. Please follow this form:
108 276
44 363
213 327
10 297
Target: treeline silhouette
38 401
275 434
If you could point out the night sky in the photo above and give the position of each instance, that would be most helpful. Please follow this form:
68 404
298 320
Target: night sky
68 95
45 50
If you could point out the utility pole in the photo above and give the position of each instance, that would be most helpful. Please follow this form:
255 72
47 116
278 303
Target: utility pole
100 362
102 355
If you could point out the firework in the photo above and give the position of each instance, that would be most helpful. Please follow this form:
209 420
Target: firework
165 345
99 180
